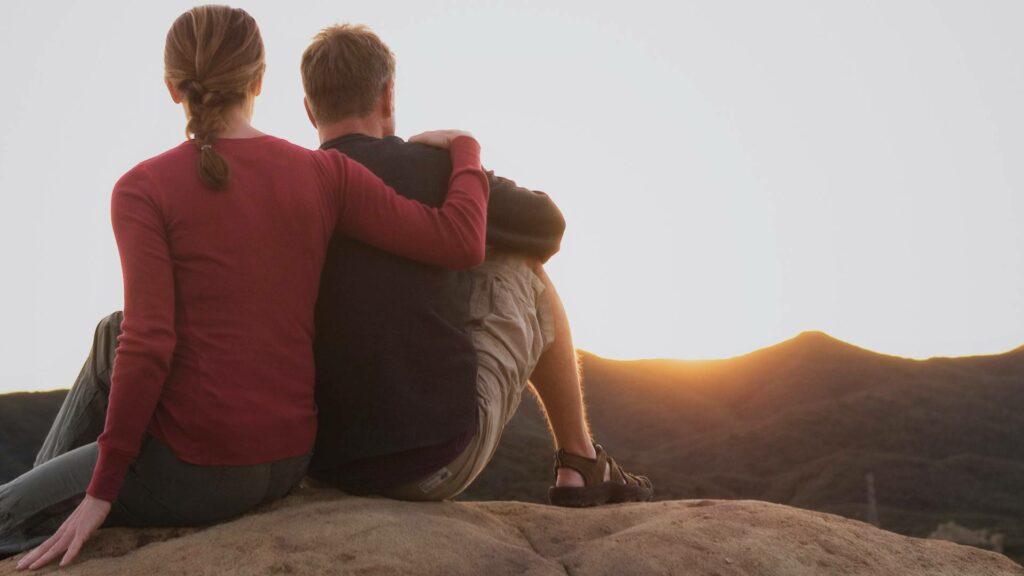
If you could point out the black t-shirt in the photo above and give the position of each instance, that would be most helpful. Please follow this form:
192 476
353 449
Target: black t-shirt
396 368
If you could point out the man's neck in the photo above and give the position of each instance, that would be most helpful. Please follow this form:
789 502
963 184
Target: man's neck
369 125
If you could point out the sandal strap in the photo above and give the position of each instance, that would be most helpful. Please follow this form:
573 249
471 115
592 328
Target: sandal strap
591 469
617 474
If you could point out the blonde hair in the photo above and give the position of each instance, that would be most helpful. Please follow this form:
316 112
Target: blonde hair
214 56
344 71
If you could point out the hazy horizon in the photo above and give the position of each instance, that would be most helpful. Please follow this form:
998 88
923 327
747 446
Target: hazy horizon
711 359
732 173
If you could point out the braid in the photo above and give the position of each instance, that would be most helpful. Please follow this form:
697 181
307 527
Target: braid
214 57
206 121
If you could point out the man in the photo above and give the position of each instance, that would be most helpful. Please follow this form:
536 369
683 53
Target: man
419 369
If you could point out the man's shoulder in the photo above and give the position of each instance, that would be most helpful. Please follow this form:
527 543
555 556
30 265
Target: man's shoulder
413 170
388 148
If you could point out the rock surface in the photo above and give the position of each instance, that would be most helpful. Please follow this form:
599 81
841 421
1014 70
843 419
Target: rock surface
321 532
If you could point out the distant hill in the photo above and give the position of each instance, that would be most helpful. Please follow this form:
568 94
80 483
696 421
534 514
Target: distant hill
800 423
25 419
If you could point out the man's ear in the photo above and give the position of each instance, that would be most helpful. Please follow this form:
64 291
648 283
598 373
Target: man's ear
309 112
175 94
387 100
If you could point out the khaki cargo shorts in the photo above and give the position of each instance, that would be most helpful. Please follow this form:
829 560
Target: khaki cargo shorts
512 325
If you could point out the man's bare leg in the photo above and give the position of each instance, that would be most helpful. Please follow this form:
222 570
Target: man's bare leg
557 382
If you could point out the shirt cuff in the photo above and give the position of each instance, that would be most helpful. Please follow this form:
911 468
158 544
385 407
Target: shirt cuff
465 153
108 476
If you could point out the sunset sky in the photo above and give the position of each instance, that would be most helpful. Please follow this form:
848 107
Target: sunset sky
732 173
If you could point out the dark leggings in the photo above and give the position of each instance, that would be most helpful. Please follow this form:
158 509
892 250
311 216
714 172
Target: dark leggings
159 489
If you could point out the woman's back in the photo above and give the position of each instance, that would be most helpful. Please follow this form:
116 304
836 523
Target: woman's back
230 281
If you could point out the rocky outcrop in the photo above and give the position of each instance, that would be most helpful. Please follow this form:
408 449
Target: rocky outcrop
322 532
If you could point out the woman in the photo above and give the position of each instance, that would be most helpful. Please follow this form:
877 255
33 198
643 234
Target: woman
222 240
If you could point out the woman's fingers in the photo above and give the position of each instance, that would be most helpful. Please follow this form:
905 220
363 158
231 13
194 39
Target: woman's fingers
38 551
57 544
56 550
428 138
73 550
49 555
438 138
72 535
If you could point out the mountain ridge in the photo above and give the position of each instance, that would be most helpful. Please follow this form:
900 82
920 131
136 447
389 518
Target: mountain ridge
812 339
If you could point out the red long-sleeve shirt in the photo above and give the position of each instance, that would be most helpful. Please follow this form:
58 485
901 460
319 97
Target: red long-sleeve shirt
215 357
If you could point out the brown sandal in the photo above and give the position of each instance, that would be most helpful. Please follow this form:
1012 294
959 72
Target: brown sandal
621 486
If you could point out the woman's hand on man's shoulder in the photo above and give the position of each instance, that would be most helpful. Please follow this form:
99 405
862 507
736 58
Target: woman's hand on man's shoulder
439 138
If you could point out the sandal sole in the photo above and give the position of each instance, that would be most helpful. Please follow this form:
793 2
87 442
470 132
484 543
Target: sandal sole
604 493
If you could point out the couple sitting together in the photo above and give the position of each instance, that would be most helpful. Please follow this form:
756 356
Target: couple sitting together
368 313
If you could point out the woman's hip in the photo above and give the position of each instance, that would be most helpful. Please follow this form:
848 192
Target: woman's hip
162 490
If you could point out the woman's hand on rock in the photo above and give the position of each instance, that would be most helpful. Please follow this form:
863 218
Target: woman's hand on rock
73 533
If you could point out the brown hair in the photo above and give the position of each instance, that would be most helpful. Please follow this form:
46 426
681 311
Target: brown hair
214 57
344 71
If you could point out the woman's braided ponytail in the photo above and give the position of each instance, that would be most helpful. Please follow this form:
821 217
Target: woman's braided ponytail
214 57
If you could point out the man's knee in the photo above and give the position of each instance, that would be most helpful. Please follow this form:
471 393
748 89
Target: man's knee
104 349
109 328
